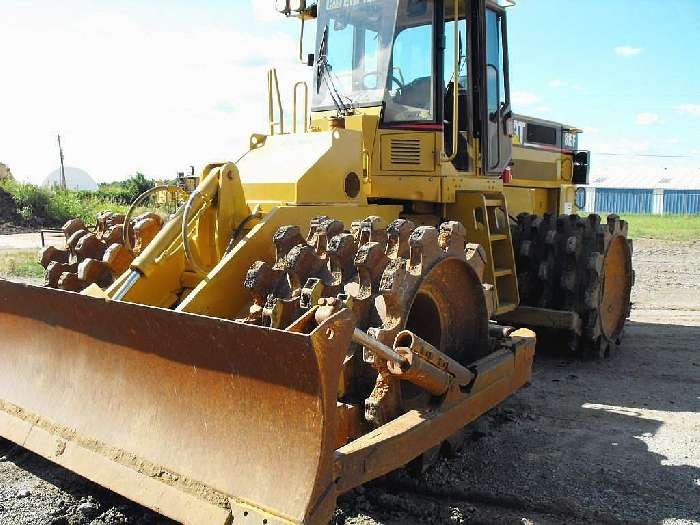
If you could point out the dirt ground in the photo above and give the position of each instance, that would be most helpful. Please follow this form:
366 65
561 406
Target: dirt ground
616 441
19 240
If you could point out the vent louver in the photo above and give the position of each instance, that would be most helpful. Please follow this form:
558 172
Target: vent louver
406 151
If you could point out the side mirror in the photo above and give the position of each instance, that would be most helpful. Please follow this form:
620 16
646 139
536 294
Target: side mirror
507 118
582 166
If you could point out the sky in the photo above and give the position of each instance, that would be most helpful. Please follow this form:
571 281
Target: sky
161 85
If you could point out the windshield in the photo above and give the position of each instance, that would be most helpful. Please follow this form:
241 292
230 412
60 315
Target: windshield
360 34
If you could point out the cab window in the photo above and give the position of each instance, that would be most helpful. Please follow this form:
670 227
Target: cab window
411 94
369 60
494 61
448 65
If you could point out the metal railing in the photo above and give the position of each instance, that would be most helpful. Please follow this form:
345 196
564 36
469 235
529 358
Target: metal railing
306 106
276 109
273 91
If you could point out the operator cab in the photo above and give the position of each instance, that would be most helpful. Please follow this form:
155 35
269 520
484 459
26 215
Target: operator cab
404 56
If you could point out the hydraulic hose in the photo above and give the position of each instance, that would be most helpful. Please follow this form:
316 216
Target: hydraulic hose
257 214
195 201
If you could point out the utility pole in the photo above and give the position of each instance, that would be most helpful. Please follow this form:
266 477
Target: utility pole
63 169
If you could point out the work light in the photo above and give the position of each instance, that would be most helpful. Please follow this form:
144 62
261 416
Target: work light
288 7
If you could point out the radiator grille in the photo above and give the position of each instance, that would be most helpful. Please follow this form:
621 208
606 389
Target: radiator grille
406 151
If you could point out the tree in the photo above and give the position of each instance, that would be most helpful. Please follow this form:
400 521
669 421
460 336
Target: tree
126 192
138 184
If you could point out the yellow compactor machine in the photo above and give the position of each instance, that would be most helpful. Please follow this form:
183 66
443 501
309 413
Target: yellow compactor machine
337 303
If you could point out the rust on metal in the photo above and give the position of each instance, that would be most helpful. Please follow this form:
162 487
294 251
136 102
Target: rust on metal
401 440
153 383
544 318
392 277
362 350
96 254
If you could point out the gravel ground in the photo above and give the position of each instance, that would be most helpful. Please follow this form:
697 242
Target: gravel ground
616 441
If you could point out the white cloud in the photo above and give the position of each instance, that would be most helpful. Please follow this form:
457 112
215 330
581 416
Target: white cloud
558 83
542 110
524 99
627 51
264 10
647 119
149 92
691 109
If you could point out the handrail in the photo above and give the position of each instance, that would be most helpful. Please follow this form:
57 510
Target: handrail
301 41
498 123
273 88
455 95
306 106
270 107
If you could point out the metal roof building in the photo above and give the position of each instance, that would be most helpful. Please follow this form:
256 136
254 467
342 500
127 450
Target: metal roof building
643 184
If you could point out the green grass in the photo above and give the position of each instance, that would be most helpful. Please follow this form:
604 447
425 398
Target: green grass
664 227
20 263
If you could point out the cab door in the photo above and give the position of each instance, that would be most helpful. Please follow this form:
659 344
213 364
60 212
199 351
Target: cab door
498 108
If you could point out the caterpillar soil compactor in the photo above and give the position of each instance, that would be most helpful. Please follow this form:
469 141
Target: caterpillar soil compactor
336 304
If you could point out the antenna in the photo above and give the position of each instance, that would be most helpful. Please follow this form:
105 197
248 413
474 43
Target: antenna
63 169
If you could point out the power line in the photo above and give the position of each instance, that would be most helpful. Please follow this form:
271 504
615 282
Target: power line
655 155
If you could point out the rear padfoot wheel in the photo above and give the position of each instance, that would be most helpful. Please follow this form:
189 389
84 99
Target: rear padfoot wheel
581 265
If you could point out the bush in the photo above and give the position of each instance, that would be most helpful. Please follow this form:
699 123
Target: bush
8 207
41 207
31 202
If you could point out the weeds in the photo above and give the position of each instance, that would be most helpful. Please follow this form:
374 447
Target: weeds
42 207
20 264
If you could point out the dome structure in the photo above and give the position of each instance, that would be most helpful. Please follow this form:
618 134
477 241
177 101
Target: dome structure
76 179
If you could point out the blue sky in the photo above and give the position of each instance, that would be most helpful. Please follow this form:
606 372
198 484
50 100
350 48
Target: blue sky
625 71
159 85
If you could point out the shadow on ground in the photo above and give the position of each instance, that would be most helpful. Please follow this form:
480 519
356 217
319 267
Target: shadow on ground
615 441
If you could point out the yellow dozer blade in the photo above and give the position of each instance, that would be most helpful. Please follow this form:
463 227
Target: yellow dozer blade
189 415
